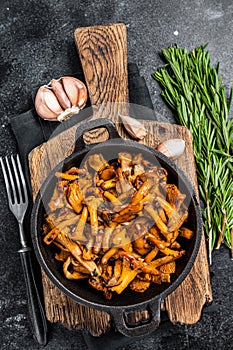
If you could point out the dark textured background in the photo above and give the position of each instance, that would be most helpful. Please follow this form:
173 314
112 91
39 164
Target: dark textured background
37 45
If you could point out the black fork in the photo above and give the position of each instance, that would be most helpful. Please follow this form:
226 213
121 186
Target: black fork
18 204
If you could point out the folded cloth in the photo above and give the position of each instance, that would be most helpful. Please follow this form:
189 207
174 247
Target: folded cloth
30 130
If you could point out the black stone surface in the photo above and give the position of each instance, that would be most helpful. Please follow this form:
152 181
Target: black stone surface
37 45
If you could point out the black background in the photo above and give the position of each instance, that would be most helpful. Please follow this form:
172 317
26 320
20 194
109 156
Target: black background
37 45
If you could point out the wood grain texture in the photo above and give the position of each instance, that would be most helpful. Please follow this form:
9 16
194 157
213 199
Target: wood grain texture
103 54
184 305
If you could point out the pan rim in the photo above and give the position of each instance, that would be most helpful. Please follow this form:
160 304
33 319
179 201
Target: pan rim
174 284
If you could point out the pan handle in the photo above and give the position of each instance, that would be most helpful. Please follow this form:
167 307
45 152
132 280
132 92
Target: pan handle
140 330
94 124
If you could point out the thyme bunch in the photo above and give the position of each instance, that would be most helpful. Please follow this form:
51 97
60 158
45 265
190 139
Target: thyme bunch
193 89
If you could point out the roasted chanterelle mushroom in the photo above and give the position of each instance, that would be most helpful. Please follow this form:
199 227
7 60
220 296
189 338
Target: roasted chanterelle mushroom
117 223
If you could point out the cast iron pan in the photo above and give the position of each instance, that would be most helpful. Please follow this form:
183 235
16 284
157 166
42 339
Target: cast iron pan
128 301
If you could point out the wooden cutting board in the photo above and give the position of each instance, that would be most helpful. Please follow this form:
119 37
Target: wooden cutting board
103 53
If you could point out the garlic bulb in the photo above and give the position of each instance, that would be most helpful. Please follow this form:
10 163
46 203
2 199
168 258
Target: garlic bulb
172 148
60 99
135 128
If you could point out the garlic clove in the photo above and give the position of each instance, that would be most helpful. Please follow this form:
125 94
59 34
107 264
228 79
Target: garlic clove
50 100
70 89
60 94
45 113
61 98
46 104
82 97
135 128
172 148
75 90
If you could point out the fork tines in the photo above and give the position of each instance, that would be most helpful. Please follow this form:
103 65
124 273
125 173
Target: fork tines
14 180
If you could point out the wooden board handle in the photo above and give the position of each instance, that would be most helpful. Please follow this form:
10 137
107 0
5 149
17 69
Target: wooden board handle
103 54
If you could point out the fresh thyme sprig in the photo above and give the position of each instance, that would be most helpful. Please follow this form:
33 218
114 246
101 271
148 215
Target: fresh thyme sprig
192 87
